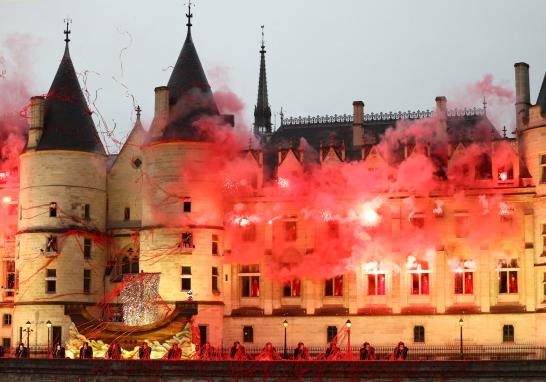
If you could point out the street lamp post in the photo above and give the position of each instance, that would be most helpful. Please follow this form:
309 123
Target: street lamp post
285 324
349 353
48 324
461 323
28 330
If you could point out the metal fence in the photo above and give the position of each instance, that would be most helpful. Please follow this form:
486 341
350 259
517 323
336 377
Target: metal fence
513 351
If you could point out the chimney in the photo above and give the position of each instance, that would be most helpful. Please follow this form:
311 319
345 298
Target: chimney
523 94
441 104
358 123
161 111
36 125
161 100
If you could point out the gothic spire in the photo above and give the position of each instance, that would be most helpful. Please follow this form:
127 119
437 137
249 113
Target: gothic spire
262 111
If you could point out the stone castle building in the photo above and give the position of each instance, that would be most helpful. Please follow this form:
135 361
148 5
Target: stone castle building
85 219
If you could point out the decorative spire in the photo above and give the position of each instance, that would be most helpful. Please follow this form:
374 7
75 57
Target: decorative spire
484 103
262 111
138 110
504 132
189 15
68 21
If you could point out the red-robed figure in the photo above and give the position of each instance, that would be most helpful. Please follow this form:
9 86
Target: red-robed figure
269 353
238 352
174 352
114 351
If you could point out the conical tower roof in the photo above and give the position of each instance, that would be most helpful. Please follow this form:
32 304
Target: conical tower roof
190 95
67 119
262 111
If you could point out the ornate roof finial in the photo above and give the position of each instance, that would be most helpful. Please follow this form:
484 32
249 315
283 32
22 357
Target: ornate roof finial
138 110
484 106
189 15
504 131
263 40
68 21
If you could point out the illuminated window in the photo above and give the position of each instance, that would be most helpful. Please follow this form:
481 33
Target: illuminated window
334 287
86 248
508 276
214 245
464 279
86 281
292 288
249 276
290 230
52 209
51 280
508 333
249 232
185 277
376 284
331 333
418 334
419 275
505 174
248 334
215 276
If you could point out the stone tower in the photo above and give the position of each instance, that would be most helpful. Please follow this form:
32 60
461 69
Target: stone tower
182 212
60 255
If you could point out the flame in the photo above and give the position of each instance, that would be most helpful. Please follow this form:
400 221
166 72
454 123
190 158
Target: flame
283 182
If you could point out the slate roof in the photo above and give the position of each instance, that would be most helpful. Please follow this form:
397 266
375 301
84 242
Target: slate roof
541 99
67 119
190 95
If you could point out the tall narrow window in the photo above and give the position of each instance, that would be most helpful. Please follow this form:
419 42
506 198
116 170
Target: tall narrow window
127 214
250 280
51 280
508 333
10 278
376 284
331 333
135 264
185 278
464 279
6 343
6 320
248 334
214 246
86 248
292 288
125 265
187 240
334 287
86 281
51 244
215 276
290 230
202 334
87 212
187 206
508 276
484 168
418 334
249 232
52 209
419 276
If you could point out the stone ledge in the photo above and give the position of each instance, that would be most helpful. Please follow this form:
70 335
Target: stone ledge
163 370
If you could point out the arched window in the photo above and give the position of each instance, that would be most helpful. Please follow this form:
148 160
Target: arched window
134 264
125 265
484 168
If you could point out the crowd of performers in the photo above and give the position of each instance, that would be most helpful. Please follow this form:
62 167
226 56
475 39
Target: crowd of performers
236 353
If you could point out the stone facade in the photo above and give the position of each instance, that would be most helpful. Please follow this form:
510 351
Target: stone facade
117 215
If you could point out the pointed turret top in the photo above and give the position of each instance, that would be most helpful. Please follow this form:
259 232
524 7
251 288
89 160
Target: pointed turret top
262 111
188 84
541 100
67 119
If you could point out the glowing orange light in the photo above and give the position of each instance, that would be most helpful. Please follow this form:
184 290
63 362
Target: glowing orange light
369 217
283 183
503 175
6 199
